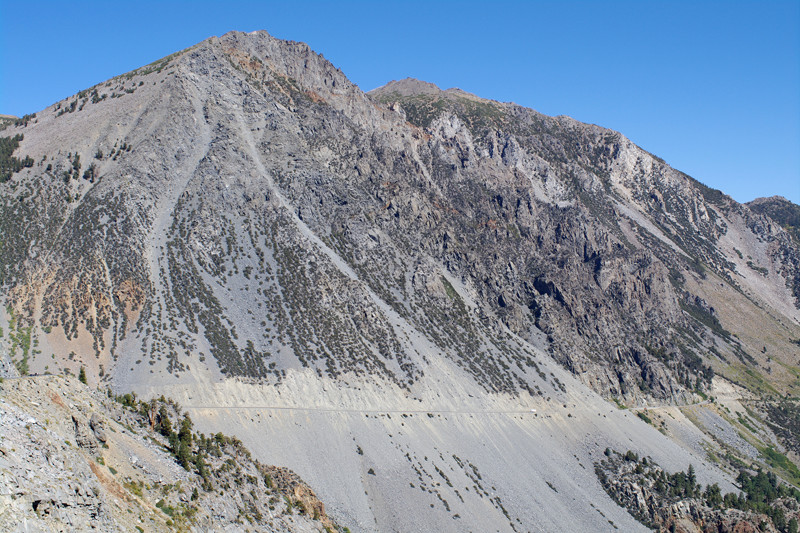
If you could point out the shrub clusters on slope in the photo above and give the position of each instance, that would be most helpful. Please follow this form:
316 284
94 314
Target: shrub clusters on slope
224 466
662 500
8 163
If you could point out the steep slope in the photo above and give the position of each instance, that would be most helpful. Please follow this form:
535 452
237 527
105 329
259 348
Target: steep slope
73 459
389 276
666 231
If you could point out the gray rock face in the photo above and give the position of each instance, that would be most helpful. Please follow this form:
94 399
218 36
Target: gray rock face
83 435
7 367
49 484
98 427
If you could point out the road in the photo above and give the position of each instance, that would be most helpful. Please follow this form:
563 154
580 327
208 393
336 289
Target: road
398 411
364 411
662 406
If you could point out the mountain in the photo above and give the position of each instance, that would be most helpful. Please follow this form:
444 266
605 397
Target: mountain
422 301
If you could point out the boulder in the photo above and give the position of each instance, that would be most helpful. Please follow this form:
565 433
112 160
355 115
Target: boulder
98 427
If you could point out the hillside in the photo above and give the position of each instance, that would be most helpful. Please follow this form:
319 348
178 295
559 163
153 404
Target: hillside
389 283
73 459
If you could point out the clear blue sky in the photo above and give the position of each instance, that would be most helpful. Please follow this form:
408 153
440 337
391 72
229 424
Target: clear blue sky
712 87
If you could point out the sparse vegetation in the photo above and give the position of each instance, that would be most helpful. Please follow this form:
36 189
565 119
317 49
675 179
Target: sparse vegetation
762 493
24 120
222 465
761 270
9 165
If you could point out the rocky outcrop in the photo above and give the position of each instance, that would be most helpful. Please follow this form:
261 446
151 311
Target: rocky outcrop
677 503
7 367
781 211
84 437
98 427
130 482
75 505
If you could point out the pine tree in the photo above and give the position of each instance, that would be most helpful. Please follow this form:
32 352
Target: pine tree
82 376
713 495
185 433
691 481
164 425
184 455
200 465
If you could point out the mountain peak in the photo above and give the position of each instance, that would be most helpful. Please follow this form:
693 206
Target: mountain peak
777 199
410 87
407 87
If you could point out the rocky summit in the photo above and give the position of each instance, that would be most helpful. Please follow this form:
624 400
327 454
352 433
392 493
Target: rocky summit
438 310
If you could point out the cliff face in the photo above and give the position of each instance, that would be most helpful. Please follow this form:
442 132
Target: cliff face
616 247
241 213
